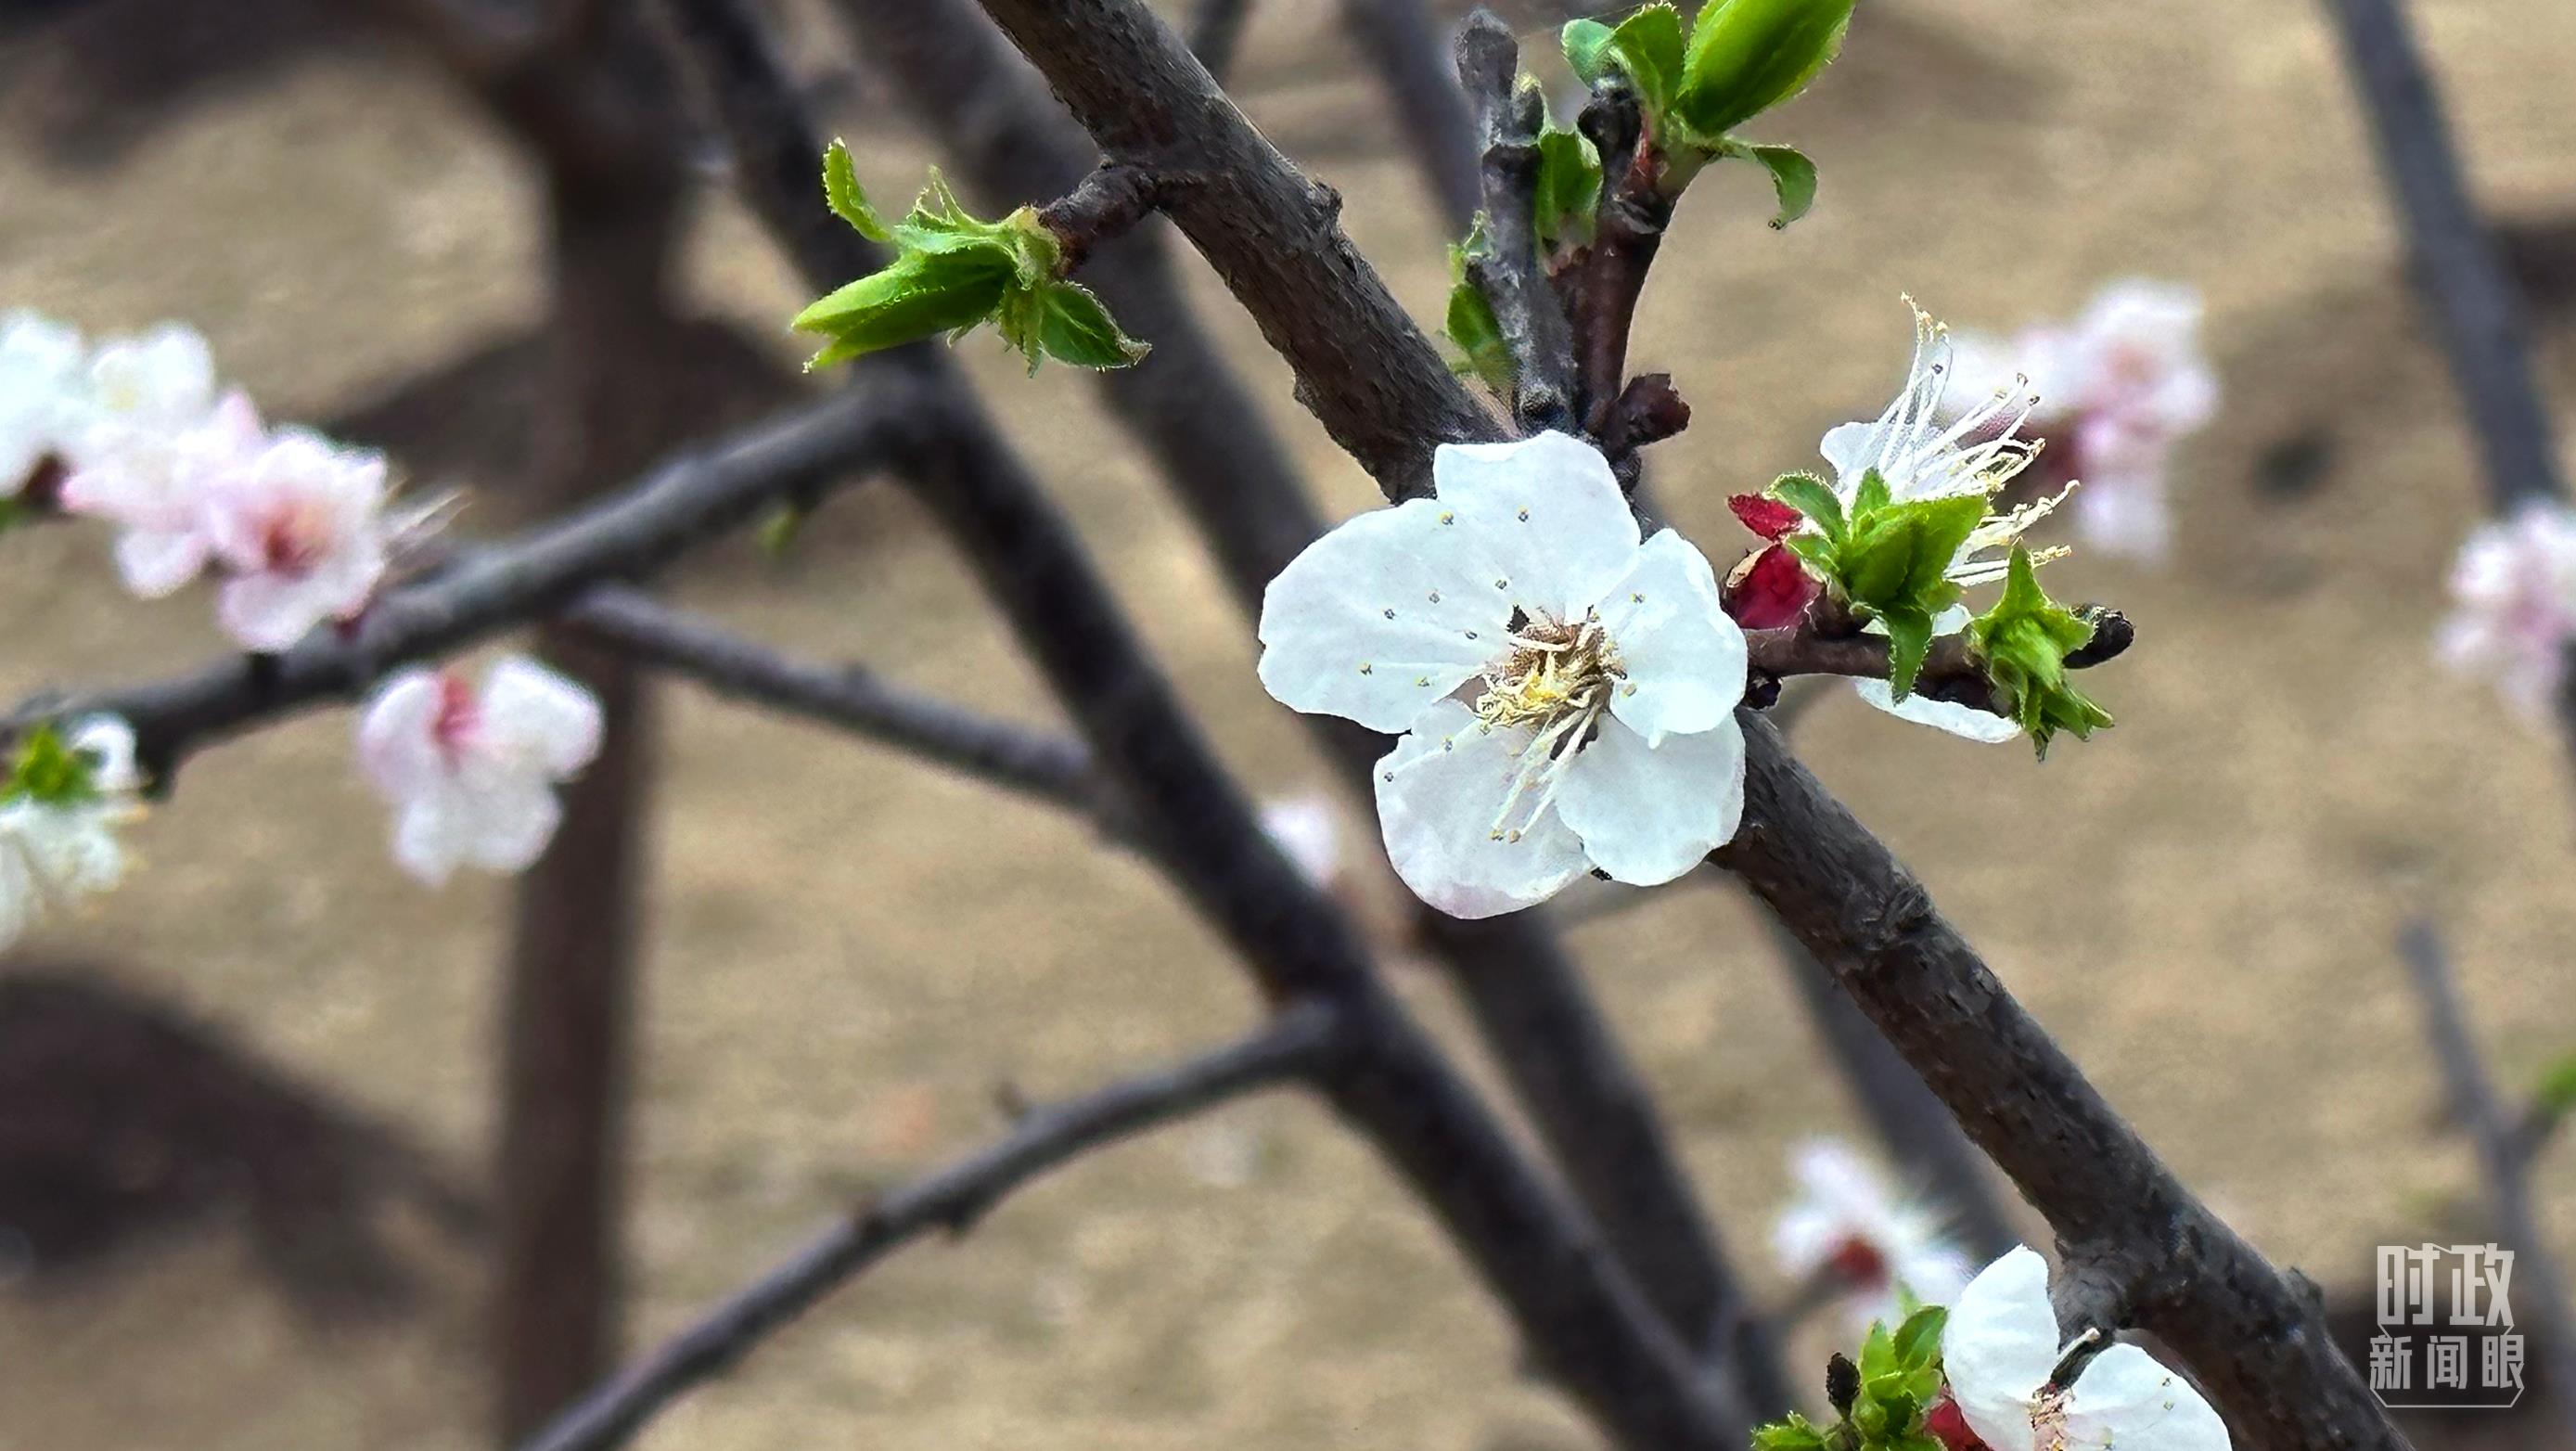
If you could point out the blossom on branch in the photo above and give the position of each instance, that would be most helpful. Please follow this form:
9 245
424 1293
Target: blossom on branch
155 485
2513 593
65 797
1850 1233
42 395
471 771
1565 693
2001 1352
300 532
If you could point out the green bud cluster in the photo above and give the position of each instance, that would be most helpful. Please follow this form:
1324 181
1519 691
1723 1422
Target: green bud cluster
1888 559
2024 641
1882 1400
49 772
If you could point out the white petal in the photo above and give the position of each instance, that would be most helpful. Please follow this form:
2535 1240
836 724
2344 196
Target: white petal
512 822
109 743
2124 1398
2000 1346
534 714
1647 815
1959 720
1545 516
431 837
398 736
1852 449
1381 618
270 612
155 563
1438 793
1683 654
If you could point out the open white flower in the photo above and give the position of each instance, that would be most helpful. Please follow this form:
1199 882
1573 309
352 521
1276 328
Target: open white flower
42 394
300 531
1567 694
471 772
1849 1229
155 488
2513 593
56 849
2001 1352
1925 448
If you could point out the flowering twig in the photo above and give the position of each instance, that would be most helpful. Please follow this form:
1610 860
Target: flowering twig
2243 1326
950 1199
1051 767
1508 273
2501 1158
1224 462
692 498
1950 672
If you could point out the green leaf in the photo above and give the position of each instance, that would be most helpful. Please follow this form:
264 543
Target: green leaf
1918 1340
1470 321
1648 46
1909 638
1567 189
1872 495
1814 498
48 771
2024 641
1074 328
1794 1434
1587 45
922 294
1898 555
1746 56
1793 179
842 194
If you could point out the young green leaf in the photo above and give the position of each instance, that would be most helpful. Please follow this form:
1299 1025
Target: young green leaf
1918 1340
842 194
1793 179
1567 188
1746 56
1909 638
1814 498
923 294
1074 328
1794 1434
1648 46
1587 48
1470 322
2024 641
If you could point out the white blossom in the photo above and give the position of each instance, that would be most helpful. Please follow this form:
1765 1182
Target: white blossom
1925 448
155 487
55 850
2119 386
2001 1352
2513 593
1849 1228
471 772
299 530
42 394
1566 693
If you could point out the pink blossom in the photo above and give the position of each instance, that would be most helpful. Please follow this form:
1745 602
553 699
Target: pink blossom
300 531
2514 605
471 772
153 485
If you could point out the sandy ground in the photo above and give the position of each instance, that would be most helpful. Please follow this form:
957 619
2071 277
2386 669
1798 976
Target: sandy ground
849 952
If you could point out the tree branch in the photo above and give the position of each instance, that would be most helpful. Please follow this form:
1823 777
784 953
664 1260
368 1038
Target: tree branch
1108 203
2506 1167
1053 768
626 536
1508 121
949 1199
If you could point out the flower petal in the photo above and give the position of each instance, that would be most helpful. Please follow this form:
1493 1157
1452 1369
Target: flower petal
2126 1399
431 836
1546 516
397 736
1649 814
2000 1346
270 612
540 716
512 820
155 563
1852 448
1770 590
1381 618
1438 793
1965 721
1684 655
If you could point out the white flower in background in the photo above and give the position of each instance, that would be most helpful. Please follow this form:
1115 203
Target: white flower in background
2513 592
1567 695
1849 1230
471 772
155 488
2119 386
42 394
58 826
1926 450
300 531
144 391
2001 1352
1308 833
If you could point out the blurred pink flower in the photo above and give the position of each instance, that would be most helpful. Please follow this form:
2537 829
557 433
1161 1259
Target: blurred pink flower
471 772
2513 590
300 529
153 485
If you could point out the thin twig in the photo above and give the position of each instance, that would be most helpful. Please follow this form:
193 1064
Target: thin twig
950 1199
1051 767
1508 120
2506 1168
1108 203
702 492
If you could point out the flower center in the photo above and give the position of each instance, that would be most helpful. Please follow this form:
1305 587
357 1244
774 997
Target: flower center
1556 681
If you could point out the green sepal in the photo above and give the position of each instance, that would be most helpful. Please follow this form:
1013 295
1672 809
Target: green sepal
1898 554
842 193
1793 176
2024 641
1470 323
1909 639
1816 499
1567 189
1746 56
1065 321
49 772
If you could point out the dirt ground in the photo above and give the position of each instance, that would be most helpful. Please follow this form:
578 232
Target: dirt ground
849 952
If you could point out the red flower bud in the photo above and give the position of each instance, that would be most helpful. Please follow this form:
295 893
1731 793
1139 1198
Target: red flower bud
1769 589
